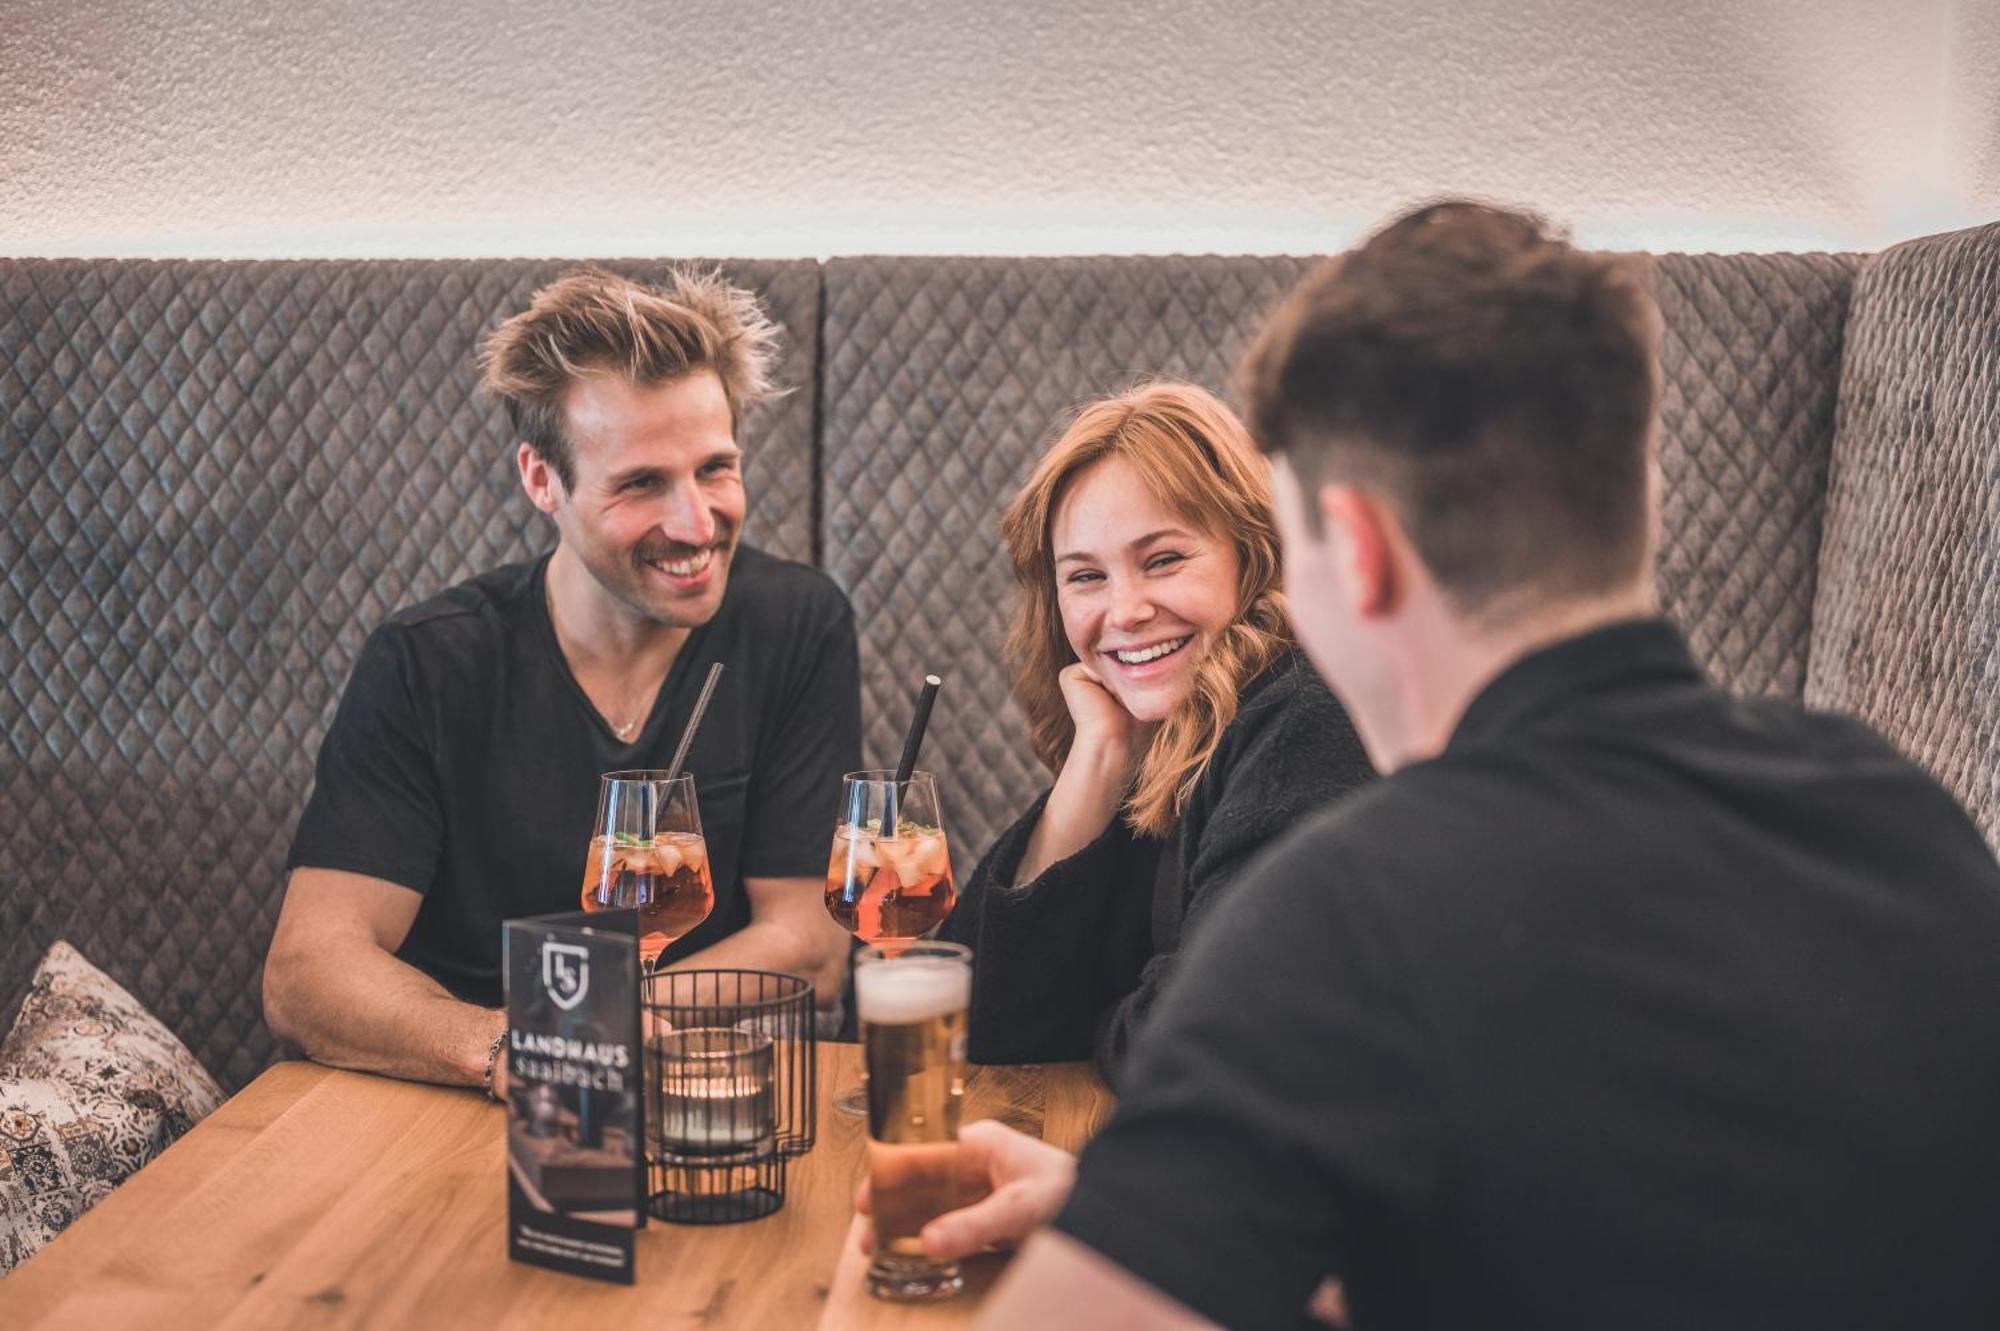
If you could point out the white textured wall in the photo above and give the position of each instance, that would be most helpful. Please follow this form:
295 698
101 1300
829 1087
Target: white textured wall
1973 97
438 127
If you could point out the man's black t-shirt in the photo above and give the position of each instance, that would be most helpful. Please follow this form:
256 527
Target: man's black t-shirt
1640 1006
463 761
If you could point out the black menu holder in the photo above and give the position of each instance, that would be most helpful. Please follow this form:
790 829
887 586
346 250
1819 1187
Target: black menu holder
576 1159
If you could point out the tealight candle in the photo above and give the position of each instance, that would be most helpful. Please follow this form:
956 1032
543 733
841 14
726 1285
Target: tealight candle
716 1090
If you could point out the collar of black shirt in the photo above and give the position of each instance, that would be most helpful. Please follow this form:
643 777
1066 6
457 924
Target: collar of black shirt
1617 656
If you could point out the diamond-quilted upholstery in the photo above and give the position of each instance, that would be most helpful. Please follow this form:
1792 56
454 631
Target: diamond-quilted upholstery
214 479
1906 626
1749 367
218 475
944 378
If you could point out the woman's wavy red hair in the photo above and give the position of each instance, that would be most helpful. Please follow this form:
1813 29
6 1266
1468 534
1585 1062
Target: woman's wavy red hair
1197 458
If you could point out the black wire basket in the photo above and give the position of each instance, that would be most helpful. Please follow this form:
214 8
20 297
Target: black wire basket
731 1080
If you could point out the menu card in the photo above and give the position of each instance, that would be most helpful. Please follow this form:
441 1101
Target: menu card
576 1161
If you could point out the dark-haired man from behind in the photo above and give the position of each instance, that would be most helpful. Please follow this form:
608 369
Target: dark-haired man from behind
1620 1002
458 783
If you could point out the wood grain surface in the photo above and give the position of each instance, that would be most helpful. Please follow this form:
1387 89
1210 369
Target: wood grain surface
326 1199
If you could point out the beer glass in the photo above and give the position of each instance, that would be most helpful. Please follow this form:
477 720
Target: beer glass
647 853
888 885
912 999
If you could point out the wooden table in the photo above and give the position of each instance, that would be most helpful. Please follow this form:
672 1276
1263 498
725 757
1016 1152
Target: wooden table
319 1198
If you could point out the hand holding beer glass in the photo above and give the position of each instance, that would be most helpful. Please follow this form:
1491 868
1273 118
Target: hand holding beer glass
912 1003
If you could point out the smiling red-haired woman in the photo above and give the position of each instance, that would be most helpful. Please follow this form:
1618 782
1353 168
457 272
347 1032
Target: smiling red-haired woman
1185 731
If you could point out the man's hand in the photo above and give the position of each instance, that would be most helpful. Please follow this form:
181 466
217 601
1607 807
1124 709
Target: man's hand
1017 1185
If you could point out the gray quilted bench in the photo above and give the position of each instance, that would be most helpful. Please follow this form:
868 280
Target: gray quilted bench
215 477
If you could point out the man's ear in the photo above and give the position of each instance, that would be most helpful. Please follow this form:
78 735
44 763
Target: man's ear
538 478
1364 549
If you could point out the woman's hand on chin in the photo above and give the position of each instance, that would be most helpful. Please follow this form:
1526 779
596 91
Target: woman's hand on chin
1109 743
1106 734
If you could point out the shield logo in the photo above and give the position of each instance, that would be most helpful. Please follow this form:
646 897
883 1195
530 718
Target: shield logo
565 973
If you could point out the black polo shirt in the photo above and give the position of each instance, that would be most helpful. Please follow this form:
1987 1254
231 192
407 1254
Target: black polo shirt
1639 1006
463 761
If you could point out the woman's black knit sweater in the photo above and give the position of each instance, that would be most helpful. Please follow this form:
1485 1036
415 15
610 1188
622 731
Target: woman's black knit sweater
1067 966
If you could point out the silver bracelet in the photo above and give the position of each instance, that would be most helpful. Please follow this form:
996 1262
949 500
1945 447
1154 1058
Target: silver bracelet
493 1060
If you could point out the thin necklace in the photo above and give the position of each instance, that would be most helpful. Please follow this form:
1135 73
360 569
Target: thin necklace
624 732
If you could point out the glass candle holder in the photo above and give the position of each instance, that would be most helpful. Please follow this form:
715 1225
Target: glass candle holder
716 1091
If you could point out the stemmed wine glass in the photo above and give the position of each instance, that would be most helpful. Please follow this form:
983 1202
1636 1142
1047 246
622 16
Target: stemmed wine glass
647 853
889 881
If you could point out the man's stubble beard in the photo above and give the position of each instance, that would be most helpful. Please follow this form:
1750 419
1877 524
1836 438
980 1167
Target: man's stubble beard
625 577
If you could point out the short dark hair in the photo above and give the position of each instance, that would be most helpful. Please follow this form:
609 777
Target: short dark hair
596 322
1493 383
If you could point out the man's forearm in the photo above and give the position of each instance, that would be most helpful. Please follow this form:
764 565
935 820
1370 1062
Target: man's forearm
787 946
364 1009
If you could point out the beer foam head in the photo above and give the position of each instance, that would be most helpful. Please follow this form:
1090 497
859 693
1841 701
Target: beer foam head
897 992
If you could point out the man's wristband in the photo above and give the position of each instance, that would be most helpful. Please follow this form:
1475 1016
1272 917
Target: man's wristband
493 1060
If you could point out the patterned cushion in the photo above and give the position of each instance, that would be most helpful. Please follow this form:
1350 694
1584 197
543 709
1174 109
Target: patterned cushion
91 1088
1749 377
1906 630
944 378
215 478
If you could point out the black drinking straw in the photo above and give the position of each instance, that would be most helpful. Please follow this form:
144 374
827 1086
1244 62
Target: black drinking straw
694 720
919 721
